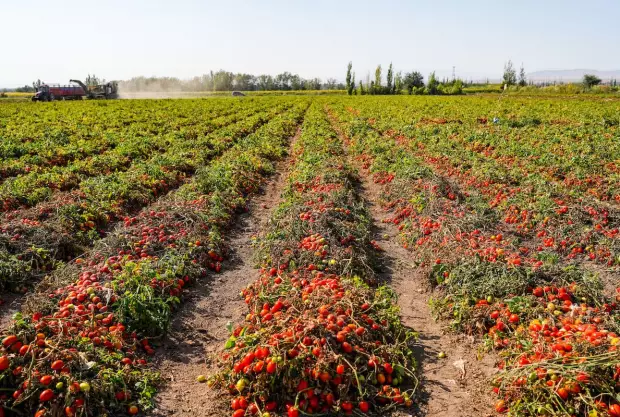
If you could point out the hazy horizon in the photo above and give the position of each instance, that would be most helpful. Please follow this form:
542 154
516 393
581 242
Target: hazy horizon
56 41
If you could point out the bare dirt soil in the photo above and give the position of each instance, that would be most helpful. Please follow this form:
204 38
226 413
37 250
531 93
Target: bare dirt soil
9 304
453 386
199 328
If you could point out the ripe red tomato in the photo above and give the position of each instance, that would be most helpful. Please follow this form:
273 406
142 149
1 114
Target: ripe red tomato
271 367
614 410
57 365
46 379
340 369
388 368
293 412
583 377
364 406
4 363
9 340
133 410
563 393
46 395
514 319
234 404
24 350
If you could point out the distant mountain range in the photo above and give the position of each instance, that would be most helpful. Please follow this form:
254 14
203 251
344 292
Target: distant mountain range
571 75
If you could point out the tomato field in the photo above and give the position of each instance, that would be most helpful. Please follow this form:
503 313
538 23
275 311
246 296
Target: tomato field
117 216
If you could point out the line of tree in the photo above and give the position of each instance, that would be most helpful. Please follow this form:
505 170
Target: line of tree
399 83
227 81
510 75
509 78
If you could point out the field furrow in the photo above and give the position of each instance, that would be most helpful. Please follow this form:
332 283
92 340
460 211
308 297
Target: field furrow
33 242
450 370
200 327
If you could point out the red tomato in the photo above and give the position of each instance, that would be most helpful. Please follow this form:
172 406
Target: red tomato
234 404
24 349
388 368
46 379
271 367
293 412
563 393
46 395
363 406
4 362
57 365
9 340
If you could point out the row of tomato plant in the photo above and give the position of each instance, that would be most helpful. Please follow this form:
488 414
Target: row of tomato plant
546 216
555 329
81 344
38 185
37 240
320 337
35 139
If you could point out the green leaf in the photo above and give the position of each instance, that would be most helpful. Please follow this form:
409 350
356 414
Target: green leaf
230 343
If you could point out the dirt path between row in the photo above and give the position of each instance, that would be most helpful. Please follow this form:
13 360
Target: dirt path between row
453 386
199 329
11 303
450 387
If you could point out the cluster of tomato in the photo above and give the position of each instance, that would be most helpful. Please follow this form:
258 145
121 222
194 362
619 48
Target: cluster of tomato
558 343
77 334
306 342
315 243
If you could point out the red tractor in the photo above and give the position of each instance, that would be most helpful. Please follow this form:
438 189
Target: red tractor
47 92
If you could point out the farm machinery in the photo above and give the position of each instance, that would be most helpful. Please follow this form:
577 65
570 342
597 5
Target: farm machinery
77 91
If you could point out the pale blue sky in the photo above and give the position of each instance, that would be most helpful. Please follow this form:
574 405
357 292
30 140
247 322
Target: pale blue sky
118 39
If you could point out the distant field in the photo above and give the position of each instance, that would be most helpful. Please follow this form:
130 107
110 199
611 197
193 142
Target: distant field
505 211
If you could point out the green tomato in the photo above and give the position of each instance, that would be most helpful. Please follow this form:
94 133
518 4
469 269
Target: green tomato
241 384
